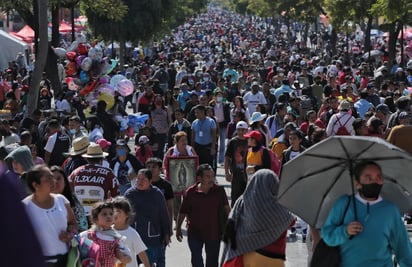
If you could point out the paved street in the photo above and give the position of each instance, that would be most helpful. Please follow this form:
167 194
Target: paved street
178 254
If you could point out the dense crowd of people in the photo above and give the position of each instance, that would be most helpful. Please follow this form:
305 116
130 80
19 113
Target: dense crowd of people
222 90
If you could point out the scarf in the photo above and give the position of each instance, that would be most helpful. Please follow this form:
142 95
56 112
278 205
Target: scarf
257 220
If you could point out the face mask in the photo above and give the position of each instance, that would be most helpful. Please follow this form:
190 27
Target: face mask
219 99
121 151
73 131
206 79
370 190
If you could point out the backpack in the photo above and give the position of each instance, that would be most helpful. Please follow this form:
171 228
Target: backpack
274 161
342 129
89 250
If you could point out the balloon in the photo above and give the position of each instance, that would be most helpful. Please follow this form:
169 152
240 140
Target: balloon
73 46
80 37
104 79
87 111
79 60
86 64
106 88
109 99
125 87
86 90
71 84
60 52
83 49
71 69
116 79
71 56
113 64
96 53
92 98
84 77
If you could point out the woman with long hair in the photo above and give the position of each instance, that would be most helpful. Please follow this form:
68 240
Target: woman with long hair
63 187
239 106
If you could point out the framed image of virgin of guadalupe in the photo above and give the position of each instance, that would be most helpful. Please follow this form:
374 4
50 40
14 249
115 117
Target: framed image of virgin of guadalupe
182 173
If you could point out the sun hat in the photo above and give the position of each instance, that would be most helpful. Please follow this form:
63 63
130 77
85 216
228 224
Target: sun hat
80 145
256 116
255 135
344 105
94 151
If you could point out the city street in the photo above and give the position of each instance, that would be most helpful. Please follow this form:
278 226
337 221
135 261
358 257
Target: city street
178 254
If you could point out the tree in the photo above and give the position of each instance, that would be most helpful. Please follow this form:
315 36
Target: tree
397 14
358 12
33 96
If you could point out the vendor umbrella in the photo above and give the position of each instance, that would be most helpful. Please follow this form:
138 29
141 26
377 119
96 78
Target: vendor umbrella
312 182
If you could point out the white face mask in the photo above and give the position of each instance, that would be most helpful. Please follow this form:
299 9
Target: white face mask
219 99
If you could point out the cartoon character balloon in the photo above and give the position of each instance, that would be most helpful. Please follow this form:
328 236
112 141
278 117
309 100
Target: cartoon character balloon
125 87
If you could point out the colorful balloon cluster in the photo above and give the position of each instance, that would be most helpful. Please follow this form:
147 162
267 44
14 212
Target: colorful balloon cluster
87 72
132 123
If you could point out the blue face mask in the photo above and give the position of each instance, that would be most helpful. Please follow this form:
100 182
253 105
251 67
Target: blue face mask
121 151
73 131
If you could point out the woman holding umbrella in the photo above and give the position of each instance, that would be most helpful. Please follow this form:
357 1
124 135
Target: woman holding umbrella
372 228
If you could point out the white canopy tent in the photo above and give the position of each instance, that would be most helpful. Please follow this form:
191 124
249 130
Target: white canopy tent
10 46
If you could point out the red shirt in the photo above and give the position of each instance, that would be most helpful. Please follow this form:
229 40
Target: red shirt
202 211
93 183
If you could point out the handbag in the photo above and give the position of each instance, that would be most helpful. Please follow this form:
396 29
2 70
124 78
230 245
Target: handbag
325 255
73 258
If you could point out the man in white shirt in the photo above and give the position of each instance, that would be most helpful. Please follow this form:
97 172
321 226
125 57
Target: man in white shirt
254 97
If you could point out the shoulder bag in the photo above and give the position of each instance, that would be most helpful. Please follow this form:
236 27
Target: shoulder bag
325 255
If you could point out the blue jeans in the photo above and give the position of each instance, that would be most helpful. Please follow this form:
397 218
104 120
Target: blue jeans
156 254
211 247
222 145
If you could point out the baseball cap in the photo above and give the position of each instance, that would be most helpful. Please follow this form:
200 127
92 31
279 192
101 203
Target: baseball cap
383 107
103 143
144 140
121 142
241 125
255 135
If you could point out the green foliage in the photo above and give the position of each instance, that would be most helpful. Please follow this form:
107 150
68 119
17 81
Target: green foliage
301 10
113 10
393 10
142 20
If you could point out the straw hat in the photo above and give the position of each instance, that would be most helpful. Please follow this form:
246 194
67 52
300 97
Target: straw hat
80 145
94 151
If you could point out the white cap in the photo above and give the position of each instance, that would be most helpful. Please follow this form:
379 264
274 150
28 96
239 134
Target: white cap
241 125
